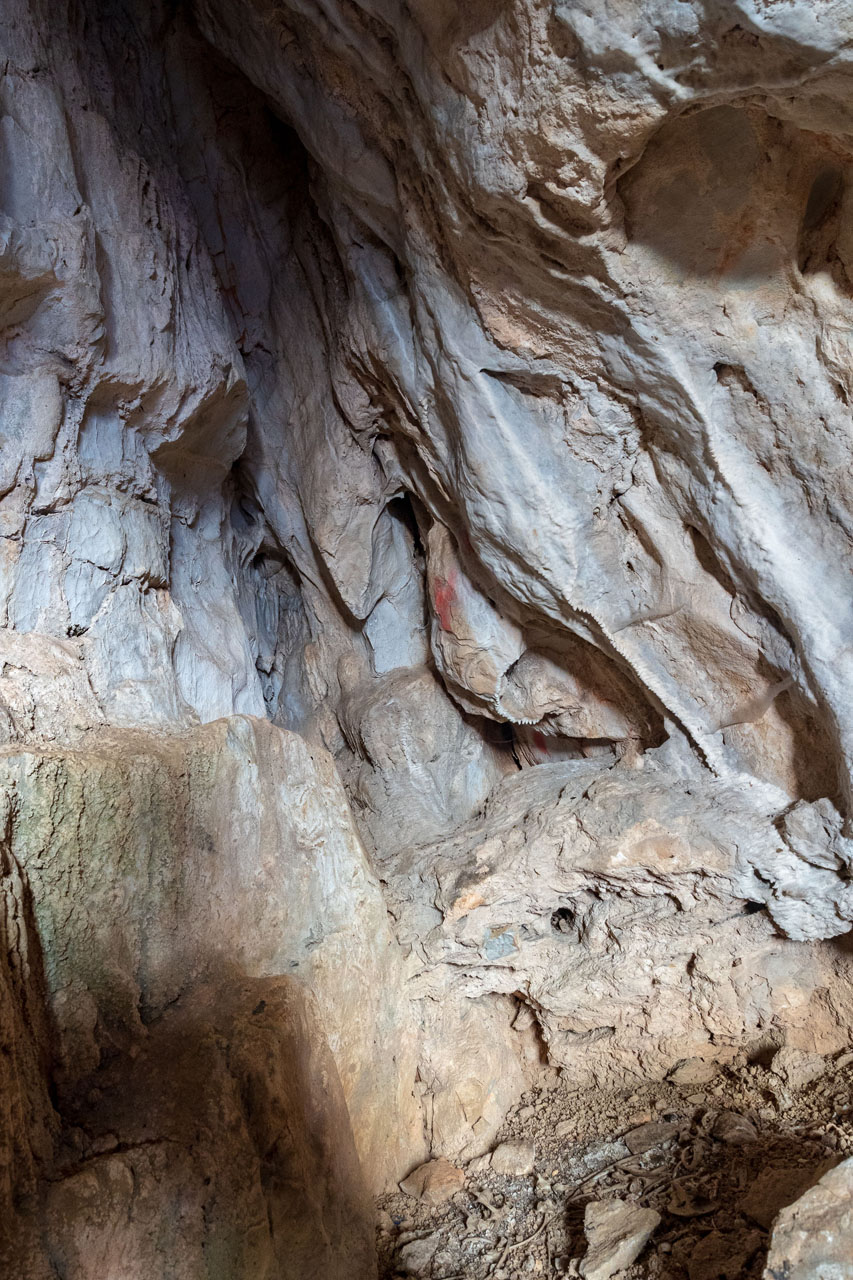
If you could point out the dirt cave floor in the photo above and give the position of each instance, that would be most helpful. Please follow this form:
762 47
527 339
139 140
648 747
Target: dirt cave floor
716 1160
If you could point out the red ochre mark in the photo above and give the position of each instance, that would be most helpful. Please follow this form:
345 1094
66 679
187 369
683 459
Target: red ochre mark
539 741
445 598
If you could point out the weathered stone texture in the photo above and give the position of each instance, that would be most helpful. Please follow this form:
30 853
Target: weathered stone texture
156 863
813 1238
453 401
222 1148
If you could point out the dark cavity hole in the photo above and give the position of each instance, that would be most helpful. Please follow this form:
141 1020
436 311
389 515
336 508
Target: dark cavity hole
823 196
563 920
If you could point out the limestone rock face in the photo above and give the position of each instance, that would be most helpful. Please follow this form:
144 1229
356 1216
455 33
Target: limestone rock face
29 1126
425 523
814 1236
568 372
155 863
222 1147
164 896
623 904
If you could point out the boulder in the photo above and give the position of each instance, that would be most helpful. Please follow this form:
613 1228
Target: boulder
813 1237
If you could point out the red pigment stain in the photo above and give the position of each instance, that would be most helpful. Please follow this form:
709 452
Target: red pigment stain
445 597
539 741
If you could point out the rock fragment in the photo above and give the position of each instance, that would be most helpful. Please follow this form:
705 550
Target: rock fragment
616 1232
694 1071
796 1068
720 1256
514 1159
813 1238
434 1182
416 1257
734 1129
652 1134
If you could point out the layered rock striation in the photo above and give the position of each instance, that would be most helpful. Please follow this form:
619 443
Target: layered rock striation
425 514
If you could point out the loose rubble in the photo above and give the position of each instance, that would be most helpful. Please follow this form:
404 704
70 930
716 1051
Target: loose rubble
670 1181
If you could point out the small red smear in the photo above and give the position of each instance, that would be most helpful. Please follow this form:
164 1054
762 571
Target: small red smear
445 598
539 741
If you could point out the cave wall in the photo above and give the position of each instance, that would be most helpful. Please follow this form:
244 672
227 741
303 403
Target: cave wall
424 488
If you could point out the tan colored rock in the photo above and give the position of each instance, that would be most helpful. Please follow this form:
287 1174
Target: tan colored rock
597 1001
121 1213
44 688
233 1143
475 1067
189 855
734 1129
434 1182
227 1138
412 739
813 1237
616 1233
694 1071
796 1068
29 1126
416 1257
651 1134
515 1158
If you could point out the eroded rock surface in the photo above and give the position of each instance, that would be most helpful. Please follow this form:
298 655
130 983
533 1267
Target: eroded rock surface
454 402
155 863
814 1236
165 896
231 1119
222 1146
